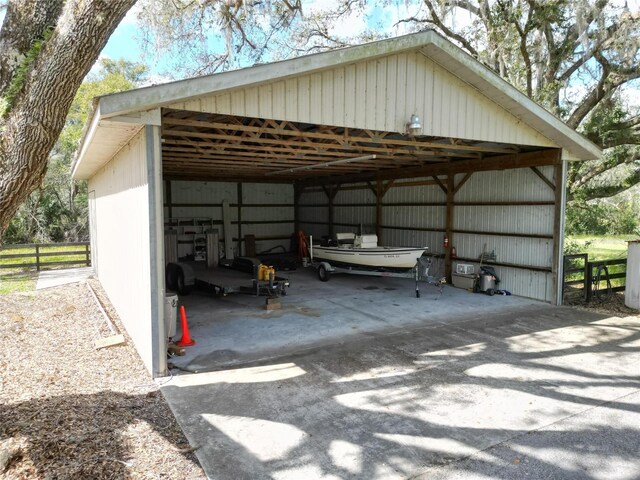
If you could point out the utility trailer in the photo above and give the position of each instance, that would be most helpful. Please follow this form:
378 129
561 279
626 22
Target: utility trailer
241 277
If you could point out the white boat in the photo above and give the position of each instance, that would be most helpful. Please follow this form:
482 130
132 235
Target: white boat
362 251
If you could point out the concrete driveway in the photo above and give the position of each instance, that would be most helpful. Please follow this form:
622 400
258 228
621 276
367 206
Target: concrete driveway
541 392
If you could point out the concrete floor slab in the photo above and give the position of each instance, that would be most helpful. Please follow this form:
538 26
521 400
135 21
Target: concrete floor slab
63 276
235 329
489 396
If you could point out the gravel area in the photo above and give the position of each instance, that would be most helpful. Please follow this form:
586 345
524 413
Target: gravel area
612 305
68 410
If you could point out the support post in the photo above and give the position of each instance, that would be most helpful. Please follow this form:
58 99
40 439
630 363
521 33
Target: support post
297 193
331 194
156 250
167 194
588 281
379 195
449 225
38 258
560 198
239 194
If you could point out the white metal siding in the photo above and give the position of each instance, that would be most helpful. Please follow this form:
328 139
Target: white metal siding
359 212
507 185
121 219
518 185
632 292
313 207
400 210
378 94
204 199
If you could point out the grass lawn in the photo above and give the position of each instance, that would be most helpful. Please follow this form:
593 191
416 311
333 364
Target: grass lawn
602 248
22 279
17 282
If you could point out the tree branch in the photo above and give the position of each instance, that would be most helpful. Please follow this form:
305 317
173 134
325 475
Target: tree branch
447 31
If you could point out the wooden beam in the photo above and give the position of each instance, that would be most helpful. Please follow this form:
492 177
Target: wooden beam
543 178
462 182
379 194
332 163
222 176
298 190
351 146
449 225
310 148
331 195
386 187
239 207
167 193
440 184
502 162
377 137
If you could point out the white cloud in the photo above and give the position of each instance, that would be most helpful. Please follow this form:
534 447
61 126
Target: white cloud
131 18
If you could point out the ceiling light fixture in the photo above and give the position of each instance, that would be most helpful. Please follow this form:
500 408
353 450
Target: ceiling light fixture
414 126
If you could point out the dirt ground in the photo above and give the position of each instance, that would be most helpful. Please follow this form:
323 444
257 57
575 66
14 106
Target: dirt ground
612 305
68 410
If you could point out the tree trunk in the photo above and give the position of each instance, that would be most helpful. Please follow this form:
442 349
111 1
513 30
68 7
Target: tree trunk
34 118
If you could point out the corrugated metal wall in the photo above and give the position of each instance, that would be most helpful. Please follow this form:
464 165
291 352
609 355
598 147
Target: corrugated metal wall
120 214
380 95
407 222
267 210
313 210
491 205
520 221
355 209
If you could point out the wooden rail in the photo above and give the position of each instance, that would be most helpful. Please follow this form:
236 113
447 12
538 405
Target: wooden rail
593 279
589 276
40 251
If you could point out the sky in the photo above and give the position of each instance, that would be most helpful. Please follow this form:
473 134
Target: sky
126 44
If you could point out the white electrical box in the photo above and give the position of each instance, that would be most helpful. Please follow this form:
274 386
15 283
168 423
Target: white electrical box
170 313
465 269
632 286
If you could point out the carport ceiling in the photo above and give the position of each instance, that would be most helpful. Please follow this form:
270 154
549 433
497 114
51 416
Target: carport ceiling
201 146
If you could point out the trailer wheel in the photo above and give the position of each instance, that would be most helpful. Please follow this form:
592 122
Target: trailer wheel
175 279
323 273
171 276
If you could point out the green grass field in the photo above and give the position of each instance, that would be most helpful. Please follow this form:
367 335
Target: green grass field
611 247
22 279
17 282
602 248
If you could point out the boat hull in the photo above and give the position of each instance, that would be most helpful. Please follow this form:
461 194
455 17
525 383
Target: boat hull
377 258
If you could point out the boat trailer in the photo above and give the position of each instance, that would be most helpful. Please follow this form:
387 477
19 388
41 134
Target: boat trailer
420 273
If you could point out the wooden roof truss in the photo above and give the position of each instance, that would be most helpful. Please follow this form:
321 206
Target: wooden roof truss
223 147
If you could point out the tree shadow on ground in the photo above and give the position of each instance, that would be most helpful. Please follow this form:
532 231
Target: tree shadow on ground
479 396
88 436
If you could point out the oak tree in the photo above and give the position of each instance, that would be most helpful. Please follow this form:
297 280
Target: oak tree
580 59
46 49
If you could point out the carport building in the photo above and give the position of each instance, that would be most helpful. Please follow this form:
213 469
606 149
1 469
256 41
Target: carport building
325 143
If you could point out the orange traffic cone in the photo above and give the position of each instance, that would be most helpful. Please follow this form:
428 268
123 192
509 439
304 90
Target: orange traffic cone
186 340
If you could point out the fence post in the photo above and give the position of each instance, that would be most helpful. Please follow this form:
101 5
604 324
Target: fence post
86 252
586 273
38 258
588 278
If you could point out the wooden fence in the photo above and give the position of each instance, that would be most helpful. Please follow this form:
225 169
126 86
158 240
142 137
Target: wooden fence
594 278
44 255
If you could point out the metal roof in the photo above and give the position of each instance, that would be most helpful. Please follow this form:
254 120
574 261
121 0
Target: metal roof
118 117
